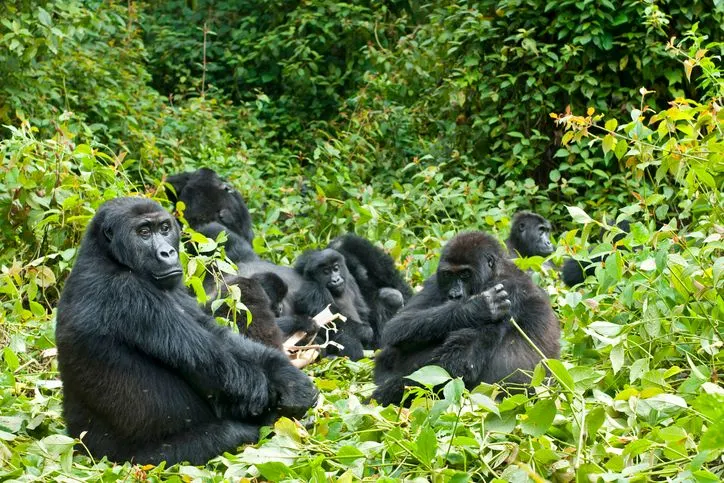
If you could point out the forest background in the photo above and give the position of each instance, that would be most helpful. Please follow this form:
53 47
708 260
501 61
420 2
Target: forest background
404 123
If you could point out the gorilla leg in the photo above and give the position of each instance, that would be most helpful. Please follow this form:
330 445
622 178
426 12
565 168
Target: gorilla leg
197 445
466 353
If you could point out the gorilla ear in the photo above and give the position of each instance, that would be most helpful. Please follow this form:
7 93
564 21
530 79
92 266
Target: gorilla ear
108 232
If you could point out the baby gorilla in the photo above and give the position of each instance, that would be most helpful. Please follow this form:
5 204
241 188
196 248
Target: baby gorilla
147 375
261 294
461 321
328 282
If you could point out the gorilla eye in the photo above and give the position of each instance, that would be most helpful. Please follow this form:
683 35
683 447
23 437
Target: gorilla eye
144 231
335 267
465 275
165 228
227 188
327 271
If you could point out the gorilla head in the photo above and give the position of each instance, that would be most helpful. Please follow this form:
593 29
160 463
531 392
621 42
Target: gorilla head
530 235
467 265
210 199
142 238
327 269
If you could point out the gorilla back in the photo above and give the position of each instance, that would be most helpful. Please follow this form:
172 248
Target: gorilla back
146 373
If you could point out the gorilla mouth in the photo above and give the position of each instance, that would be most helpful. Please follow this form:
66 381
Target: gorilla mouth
174 272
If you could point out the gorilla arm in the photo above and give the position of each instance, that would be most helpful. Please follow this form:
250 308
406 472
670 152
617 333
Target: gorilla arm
421 322
210 357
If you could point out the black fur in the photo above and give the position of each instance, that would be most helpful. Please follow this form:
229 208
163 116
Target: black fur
380 283
262 327
460 321
575 271
146 373
213 206
529 236
328 282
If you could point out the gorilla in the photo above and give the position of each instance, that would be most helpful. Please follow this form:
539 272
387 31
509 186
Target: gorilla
380 283
575 271
261 294
461 321
213 206
529 236
327 281
147 375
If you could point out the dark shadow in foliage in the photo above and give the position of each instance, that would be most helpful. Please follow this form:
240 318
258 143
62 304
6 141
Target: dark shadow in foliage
328 282
461 322
146 373
575 271
384 289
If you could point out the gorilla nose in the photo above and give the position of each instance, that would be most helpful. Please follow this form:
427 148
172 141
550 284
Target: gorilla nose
167 254
455 296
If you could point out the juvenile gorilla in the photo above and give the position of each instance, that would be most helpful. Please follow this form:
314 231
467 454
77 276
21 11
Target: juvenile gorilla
328 282
530 236
213 206
461 321
380 283
262 295
146 373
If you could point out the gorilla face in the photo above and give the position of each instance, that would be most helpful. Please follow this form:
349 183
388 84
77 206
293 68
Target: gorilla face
329 270
530 235
146 241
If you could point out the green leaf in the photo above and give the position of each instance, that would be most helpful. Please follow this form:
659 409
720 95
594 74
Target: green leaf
274 470
539 417
578 215
430 376
348 454
11 359
617 358
426 445
561 373
453 390
620 149
713 438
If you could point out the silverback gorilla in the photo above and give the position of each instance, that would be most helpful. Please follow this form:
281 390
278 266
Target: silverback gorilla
146 373
461 321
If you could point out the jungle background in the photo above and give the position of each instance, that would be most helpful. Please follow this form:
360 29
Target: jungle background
405 123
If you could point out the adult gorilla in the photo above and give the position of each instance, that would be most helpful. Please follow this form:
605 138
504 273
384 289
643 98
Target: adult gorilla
461 321
530 236
213 206
146 373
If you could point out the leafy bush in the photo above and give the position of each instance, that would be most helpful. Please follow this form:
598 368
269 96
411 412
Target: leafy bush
637 394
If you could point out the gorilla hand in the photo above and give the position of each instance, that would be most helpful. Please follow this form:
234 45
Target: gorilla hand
495 301
294 391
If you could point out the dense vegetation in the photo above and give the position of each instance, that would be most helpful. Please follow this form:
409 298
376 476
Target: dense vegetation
405 124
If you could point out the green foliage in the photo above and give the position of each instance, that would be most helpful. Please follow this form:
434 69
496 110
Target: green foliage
405 125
